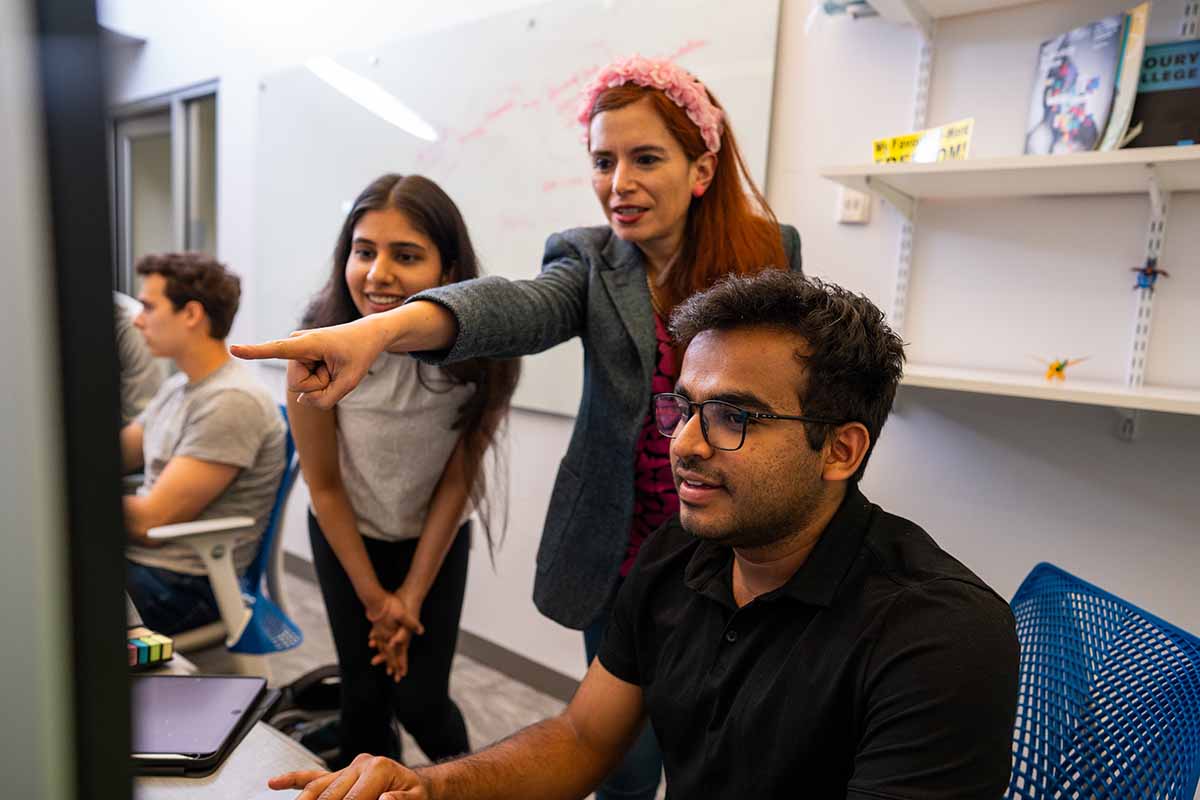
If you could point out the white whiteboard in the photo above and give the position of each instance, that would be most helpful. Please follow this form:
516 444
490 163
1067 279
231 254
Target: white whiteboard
502 94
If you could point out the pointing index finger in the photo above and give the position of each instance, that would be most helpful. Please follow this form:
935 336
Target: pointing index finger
278 348
298 349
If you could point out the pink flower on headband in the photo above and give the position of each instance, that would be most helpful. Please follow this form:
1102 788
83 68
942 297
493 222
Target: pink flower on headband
674 81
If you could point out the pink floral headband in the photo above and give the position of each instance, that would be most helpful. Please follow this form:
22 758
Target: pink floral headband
674 81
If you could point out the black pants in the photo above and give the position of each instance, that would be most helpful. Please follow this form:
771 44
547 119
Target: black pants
370 699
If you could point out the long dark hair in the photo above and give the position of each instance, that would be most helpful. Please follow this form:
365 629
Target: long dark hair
480 418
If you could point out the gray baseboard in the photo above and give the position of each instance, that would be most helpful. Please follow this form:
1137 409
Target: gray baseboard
514 665
299 567
518 667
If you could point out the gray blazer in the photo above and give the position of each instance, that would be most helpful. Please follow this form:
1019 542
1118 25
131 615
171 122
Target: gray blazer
592 285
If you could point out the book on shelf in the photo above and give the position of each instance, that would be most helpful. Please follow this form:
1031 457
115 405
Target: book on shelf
1168 99
1133 44
1085 85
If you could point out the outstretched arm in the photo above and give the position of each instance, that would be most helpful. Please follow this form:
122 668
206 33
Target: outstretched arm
486 317
327 363
562 758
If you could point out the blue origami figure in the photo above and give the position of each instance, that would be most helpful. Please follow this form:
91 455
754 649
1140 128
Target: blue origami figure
1147 276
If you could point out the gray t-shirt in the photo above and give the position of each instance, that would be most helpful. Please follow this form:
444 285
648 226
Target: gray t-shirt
394 438
141 372
226 418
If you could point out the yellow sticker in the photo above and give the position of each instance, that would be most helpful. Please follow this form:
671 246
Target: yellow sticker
950 142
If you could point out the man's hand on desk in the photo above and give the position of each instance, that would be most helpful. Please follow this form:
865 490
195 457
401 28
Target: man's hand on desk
367 778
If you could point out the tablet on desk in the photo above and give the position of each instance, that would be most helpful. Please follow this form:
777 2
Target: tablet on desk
187 724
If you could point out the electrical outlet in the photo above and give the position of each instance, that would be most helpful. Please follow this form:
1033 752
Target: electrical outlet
853 207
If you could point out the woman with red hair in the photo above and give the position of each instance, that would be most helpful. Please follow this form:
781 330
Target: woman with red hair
683 211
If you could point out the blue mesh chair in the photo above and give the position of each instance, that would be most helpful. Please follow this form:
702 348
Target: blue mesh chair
269 629
1109 697
253 621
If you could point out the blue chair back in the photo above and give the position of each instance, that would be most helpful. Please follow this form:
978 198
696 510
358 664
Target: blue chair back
270 630
1109 698
257 571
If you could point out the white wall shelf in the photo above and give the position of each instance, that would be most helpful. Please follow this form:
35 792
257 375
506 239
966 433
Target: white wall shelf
1177 169
1115 395
940 9
923 12
1155 172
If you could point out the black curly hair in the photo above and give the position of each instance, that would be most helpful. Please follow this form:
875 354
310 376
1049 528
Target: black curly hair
856 360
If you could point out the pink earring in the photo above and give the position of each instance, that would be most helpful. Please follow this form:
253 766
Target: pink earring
698 191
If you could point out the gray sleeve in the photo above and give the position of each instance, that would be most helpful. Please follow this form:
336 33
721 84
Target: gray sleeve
141 373
225 428
499 318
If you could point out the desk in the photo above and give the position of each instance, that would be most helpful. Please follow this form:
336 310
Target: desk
263 753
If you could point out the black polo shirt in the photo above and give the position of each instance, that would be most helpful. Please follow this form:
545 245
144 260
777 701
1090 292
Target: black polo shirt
883 669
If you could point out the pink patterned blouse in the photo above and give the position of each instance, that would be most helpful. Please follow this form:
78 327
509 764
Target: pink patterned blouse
654 497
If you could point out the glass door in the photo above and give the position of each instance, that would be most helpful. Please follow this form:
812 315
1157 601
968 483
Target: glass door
165 179
145 205
201 178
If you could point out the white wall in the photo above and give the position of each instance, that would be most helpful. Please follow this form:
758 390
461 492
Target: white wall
1001 483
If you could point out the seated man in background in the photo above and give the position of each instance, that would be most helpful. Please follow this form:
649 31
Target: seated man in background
786 637
211 442
141 372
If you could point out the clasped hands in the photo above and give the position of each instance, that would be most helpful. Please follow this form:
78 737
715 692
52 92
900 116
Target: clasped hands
394 621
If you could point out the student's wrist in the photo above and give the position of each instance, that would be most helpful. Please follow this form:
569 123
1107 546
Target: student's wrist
373 599
412 595
428 785
388 327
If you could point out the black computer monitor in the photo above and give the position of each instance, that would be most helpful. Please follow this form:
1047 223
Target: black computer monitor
58 433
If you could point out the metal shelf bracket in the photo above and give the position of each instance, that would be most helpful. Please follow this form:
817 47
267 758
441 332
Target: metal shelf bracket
907 206
1157 199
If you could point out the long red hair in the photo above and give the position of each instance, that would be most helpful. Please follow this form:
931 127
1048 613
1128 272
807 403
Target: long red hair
730 228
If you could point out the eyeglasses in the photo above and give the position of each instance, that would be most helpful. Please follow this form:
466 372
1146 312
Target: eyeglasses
722 424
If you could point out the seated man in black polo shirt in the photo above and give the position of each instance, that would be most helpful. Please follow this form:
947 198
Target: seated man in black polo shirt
786 637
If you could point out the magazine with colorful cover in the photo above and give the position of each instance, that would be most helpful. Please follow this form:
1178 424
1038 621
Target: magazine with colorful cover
1168 99
1074 87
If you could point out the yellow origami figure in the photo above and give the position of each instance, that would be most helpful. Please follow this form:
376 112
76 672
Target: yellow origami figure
1057 370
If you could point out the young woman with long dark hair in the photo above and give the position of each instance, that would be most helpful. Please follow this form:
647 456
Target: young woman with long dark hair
394 471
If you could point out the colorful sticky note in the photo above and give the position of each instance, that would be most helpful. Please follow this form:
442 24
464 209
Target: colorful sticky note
147 647
167 646
153 646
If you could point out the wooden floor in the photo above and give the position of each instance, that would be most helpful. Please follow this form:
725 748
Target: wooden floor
493 704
